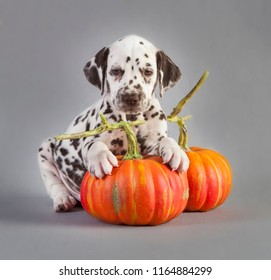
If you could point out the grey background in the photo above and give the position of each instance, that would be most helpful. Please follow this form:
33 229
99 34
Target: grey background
43 48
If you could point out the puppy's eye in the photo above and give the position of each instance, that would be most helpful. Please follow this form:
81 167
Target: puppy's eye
115 72
148 72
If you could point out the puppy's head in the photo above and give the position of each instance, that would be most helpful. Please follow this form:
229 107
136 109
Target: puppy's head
129 70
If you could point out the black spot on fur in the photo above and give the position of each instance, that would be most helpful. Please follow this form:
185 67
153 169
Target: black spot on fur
97 125
75 143
59 161
145 117
40 149
93 112
141 142
88 126
138 86
154 114
117 142
130 82
88 145
57 147
44 157
108 87
150 149
63 151
114 118
151 108
162 116
77 165
128 59
108 109
75 177
85 117
80 155
77 121
160 138
146 55
141 43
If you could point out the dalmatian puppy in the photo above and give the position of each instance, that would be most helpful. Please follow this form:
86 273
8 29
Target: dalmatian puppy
126 73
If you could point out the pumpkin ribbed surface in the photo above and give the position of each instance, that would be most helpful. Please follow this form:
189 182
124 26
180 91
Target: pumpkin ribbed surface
210 179
138 192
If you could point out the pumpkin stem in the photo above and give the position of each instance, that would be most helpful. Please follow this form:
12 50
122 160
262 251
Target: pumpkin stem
181 104
132 151
183 136
180 121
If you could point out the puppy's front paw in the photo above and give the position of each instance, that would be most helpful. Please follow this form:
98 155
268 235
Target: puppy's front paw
64 202
102 164
100 161
173 155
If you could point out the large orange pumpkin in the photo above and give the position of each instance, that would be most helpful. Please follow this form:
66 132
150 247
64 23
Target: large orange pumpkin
138 192
210 178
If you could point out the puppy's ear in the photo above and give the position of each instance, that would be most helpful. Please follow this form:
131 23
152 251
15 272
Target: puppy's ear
95 69
168 72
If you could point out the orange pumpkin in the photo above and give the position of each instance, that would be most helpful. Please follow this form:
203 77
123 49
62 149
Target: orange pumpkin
210 179
209 173
138 192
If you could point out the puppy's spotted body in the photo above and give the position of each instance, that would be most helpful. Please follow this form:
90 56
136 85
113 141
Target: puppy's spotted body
127 73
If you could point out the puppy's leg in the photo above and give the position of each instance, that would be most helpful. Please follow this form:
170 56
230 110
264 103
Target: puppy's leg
172 154
62 199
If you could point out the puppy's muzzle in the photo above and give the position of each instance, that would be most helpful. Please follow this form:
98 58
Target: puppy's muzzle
130 99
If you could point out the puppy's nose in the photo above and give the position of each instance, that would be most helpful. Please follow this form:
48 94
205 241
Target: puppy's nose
130 99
